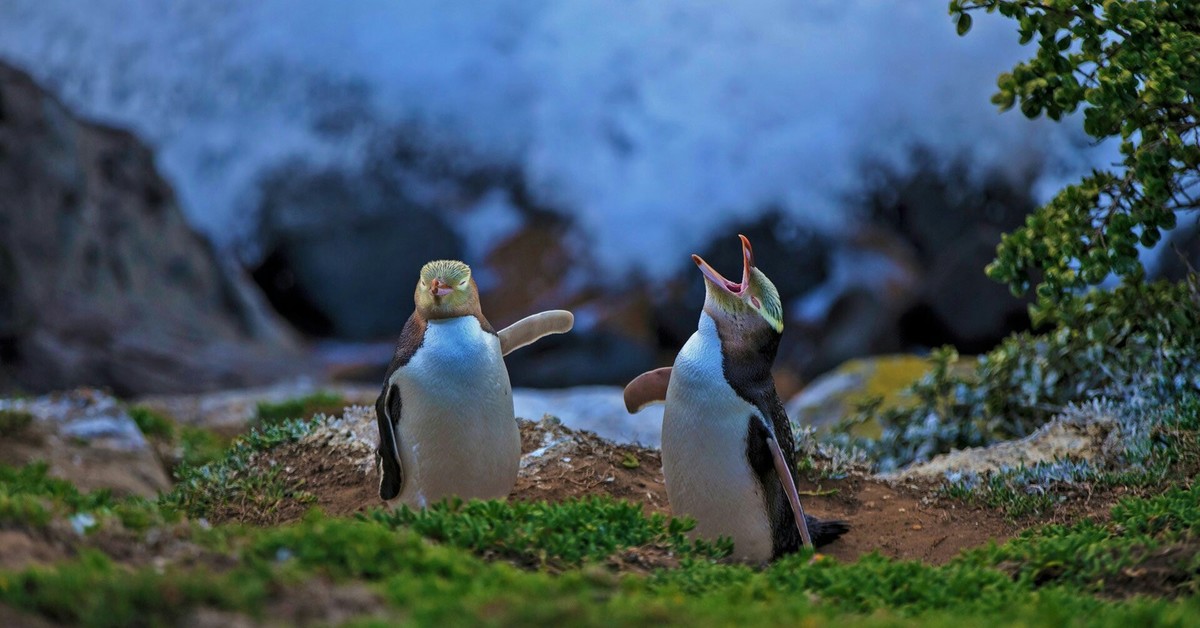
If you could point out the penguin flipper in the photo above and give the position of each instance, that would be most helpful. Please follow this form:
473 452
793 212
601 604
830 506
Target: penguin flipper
534 327
789 489
391 473
647 388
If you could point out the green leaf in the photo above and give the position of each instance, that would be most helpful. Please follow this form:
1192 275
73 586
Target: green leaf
964 23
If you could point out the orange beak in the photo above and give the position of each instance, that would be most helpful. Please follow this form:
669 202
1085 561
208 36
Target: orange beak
711 274
439 288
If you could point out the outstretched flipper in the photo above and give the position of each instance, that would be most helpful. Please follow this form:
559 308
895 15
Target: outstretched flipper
391 473
532 328
647 388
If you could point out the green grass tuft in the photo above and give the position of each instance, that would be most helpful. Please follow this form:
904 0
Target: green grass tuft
30 497
302 408
202 488
535 533
14 422
152 423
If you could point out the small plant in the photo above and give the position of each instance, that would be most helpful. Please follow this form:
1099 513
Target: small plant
1136 337
14 422
570 532
30 497
152 423
232 476
306 407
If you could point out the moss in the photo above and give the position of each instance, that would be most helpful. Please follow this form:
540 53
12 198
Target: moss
199 446
1019 583
327 403
30 497
14 422
567 533
152 423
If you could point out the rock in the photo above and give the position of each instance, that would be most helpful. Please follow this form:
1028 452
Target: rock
102 282
343 250
958 305
1079 436
232 411
832 397
86 437
873 278
953 219
539 267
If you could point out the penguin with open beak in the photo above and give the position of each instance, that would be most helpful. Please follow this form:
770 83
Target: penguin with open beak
445 415
726 439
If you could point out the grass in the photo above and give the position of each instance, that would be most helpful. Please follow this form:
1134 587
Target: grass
180 446
14 422
29 497
152 424
306 407
567 533
431 569
554 563
202 488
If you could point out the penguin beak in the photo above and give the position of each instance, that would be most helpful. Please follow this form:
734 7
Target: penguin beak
439 288
711 274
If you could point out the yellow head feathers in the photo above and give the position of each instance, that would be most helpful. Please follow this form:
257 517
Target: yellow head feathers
446 290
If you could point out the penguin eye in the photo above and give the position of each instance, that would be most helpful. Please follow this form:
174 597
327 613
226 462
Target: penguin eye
462 284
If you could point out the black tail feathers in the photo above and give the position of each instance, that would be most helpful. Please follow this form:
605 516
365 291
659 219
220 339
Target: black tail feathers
825 531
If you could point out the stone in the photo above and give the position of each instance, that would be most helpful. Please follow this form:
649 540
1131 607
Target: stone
102 282
87 438
1065 438
834 396
958 304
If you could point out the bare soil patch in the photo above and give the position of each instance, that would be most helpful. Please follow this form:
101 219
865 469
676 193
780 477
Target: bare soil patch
904 521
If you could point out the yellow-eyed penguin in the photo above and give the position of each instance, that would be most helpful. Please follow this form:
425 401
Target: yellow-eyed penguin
446 424
726 440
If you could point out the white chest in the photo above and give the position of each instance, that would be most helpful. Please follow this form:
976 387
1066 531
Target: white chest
704 450
457 434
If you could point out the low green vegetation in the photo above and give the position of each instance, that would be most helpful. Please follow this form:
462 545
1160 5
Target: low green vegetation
13 422
567 533
1136 341
1150 447
179 445
487 562
592 561
306 407
29 497
152 424
232 477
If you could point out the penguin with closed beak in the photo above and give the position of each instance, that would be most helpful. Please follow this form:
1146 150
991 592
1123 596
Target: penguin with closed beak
726 439
445 415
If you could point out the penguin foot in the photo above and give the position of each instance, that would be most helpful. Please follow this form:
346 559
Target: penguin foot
825 531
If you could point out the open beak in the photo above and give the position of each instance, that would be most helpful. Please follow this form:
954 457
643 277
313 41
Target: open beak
439 288
711 274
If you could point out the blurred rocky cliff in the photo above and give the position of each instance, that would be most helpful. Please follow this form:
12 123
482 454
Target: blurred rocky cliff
102 281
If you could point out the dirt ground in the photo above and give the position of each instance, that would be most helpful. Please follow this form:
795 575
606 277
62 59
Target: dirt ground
898 521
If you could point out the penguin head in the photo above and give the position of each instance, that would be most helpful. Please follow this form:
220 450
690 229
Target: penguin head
446 290
753 302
